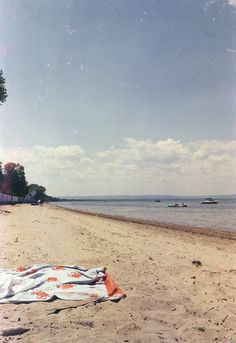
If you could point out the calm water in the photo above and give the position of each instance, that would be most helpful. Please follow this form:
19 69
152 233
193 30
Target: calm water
218 216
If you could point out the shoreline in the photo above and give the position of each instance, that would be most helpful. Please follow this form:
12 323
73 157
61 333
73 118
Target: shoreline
227 234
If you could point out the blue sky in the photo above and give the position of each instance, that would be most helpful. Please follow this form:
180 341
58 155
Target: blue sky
90 77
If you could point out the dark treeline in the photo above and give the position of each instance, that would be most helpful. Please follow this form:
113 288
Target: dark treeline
13 182
3 91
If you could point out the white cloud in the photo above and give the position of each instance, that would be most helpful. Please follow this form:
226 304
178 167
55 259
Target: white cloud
145 150
232 2
66 151
139 167
220 3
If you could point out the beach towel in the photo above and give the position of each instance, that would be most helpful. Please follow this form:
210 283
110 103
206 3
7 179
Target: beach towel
43 282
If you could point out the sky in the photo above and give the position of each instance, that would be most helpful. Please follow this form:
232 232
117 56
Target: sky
111 97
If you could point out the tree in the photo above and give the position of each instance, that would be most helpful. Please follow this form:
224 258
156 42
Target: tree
40 191
7 172
3 91
20 186
14 181
1 176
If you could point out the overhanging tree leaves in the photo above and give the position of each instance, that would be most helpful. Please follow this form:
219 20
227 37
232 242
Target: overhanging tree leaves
3 91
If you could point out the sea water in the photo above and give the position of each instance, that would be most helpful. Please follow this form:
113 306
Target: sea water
220 216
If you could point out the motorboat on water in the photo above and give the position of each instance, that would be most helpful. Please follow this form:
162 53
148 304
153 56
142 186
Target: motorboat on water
173 205
208 201
177 205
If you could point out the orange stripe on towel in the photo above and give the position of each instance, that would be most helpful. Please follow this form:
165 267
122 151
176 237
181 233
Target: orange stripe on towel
111 286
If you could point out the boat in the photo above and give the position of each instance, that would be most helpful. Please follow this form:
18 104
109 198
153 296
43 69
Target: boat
173 205
208 201
177 205
157 200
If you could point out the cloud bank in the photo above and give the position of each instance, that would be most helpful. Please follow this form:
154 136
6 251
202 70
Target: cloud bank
138 167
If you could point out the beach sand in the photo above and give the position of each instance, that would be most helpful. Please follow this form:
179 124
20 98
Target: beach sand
168 298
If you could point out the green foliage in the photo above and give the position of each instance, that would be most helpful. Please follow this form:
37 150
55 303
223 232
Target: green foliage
40 191
14 181
1 175
3 91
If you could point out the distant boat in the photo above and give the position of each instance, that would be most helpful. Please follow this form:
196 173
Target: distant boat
173 205
208 201
177 205
157 200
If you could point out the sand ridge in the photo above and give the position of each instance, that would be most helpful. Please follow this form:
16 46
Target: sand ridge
169 299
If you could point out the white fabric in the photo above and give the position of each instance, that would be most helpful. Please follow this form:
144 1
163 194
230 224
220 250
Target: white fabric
43 282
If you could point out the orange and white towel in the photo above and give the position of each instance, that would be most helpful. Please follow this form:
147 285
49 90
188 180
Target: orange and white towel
42 282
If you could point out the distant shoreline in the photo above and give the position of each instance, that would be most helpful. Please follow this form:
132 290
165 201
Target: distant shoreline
139 198
227 234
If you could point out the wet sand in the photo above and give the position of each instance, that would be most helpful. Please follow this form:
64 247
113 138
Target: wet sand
169 299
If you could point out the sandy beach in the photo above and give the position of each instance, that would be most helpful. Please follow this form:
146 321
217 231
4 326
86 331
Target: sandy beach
169 299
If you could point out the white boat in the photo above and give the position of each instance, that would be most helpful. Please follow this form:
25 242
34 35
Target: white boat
173 205
208 201
177 205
